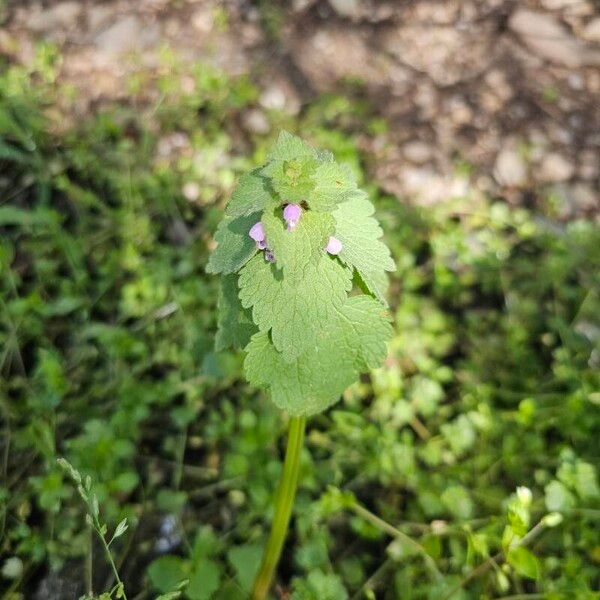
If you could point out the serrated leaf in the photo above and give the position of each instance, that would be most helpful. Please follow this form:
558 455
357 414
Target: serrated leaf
252 194
353 340
289 146
292 178
297 306
333 184
235 326
362 249
234 245
368 328
293 250
306 386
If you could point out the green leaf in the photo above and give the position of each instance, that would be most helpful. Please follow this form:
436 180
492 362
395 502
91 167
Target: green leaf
252 194
367 328
169 500
362 249
205 544
586 481
458 502
293 250
292 178
167 572
245 561
288 147
234 245
304 387
319 586
333 184
524 562
352 341
297 306
291 165
235 326
558 497
120 530
204 580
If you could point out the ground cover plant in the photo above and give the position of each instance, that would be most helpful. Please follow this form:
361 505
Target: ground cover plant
465 467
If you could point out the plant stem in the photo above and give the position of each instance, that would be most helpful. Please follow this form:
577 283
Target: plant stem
111 562
89 562
379 523
495 560
284 501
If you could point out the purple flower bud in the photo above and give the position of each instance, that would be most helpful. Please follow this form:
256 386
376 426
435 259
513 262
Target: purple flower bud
291 215
261 245
334 246
269 256
257 232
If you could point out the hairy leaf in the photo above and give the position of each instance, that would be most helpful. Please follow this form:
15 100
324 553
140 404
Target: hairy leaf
294 305
295 249
252 194
354 340
333 184
362 249
289 146
292 178
234 322
234 246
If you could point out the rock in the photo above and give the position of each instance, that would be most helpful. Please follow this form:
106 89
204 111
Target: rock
273 98
447 54
584 199
280 95
571 7
589 165
191 191
426 187
417 152
203 19
372 11
591 31
546 37
347 8
256 121
333 53
128 34
555 168
572 201
510 168
63 15
301 5
98 15
576 81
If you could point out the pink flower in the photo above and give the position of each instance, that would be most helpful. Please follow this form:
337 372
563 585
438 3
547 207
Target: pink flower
291 215
257 232
334 246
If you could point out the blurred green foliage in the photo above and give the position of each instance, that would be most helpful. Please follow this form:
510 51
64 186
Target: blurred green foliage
107 322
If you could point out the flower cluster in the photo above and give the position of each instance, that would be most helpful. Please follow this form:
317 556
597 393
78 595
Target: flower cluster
291 215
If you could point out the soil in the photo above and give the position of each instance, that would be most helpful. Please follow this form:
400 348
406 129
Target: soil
509 88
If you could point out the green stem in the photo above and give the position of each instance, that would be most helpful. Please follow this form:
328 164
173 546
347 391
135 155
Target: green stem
89 562
111 561
284 501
